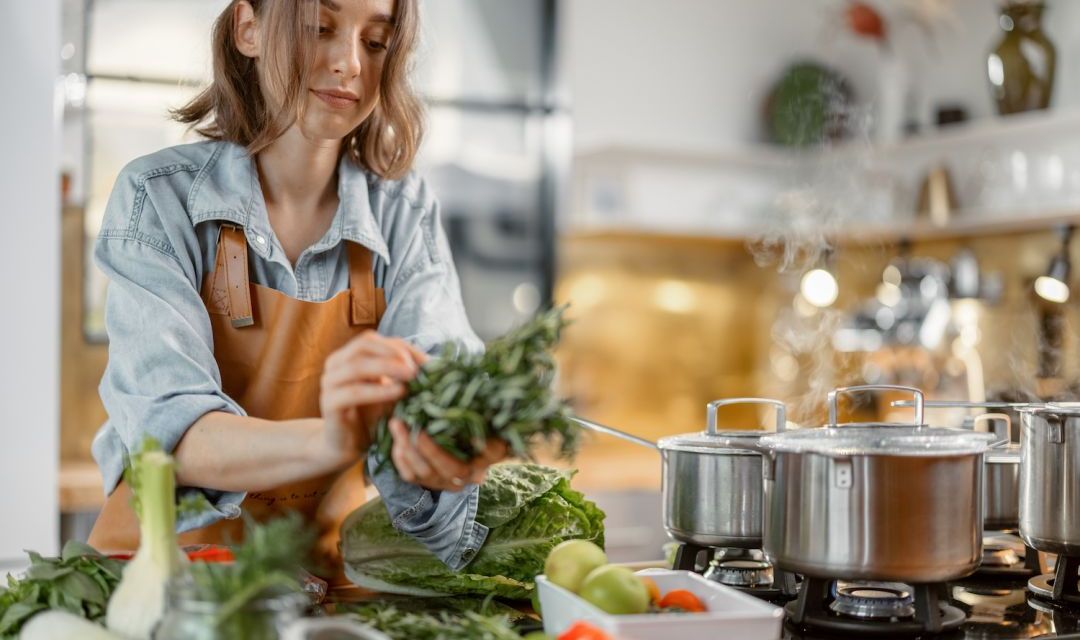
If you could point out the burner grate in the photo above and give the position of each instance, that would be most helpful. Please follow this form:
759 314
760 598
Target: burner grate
930 613
1062 586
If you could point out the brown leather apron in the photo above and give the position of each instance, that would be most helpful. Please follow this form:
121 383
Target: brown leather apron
270 349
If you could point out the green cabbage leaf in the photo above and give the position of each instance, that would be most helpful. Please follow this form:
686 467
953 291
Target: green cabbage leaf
529 508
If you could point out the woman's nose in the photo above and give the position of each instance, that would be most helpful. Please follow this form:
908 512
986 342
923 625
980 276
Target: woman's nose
346 61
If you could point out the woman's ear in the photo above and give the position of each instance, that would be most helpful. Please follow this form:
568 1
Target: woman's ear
245 31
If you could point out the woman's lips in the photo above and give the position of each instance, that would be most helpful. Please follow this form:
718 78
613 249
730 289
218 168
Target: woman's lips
335 101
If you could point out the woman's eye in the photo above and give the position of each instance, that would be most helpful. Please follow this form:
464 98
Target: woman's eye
375 45
323 30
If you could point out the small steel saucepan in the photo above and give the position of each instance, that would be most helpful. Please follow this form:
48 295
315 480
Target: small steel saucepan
712 493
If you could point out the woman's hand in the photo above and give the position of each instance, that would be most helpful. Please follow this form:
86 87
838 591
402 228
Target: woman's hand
425 463
360 384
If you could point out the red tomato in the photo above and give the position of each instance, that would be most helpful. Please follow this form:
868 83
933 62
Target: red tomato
584 631
682 599
865 20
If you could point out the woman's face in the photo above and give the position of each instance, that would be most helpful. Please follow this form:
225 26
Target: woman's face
343 85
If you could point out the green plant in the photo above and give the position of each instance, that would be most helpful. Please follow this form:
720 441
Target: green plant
80 581
528 509
463 399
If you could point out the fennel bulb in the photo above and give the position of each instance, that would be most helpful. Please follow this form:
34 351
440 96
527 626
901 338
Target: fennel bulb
139 601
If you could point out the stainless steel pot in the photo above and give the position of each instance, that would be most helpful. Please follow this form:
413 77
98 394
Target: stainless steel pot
875 501
1050 478
1001 487
712 494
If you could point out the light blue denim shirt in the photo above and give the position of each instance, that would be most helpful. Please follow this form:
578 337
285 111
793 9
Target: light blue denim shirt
158 241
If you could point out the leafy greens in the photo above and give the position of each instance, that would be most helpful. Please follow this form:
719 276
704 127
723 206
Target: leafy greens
528 508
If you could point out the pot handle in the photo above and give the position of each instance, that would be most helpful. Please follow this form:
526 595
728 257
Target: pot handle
997 420
599 428
835 394
781 411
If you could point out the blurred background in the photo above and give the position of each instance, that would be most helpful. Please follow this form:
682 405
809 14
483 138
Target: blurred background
767 198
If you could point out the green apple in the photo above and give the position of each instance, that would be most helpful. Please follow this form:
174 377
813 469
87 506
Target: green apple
616 590
572 560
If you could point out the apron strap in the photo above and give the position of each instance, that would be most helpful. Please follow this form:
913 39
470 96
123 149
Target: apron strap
362 286
232 258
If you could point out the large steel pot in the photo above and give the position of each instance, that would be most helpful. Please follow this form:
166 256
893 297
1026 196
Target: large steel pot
1050 478
875 501
1001 487
712 493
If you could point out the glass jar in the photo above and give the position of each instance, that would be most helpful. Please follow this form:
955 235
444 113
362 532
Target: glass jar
187 618
1021 67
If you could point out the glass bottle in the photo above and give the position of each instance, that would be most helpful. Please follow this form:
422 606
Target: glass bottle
188 618
1021 67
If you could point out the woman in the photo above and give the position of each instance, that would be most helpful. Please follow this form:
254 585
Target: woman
249 273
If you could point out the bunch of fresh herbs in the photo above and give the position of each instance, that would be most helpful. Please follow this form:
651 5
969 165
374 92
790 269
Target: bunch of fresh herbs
440 619
267 565
81 581
462 400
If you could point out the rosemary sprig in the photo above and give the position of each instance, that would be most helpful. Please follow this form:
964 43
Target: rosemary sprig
462 399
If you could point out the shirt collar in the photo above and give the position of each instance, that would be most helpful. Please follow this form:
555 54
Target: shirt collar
227 188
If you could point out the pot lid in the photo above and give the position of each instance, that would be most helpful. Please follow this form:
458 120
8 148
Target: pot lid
713 443
1059 408
880 439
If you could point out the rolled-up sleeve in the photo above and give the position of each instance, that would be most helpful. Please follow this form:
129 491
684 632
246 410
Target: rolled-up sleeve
424 307
161 375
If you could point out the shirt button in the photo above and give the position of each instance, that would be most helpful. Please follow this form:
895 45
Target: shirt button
260 239
468 554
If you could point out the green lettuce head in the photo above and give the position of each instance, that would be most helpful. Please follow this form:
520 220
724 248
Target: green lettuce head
528 509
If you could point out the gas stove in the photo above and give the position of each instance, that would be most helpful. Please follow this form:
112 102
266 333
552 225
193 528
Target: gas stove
1005 555
969 609
999 603
744 569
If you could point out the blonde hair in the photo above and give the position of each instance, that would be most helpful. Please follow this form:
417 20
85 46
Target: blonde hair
233 107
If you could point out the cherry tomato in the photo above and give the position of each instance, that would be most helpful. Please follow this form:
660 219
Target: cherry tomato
584 631
865 21
682 599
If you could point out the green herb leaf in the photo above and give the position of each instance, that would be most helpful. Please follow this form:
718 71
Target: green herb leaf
74 549
463 400
528 509
16 614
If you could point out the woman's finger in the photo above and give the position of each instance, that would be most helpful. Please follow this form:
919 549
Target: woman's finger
345 396
421 470
420 357
495 451
394 347
402 465
370 343
367 368
450 469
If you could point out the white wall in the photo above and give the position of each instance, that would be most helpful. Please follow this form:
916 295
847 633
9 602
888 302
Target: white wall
29 262
692 74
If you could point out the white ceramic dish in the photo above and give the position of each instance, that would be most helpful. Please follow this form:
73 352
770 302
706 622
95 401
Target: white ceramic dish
731 614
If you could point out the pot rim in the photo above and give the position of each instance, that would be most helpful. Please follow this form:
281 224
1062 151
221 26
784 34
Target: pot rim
702 442
1063 409
857 440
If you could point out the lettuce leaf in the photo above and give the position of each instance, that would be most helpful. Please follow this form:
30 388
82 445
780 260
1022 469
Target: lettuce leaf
528 508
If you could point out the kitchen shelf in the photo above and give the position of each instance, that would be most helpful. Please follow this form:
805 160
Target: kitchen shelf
678 193
974 225
989 130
